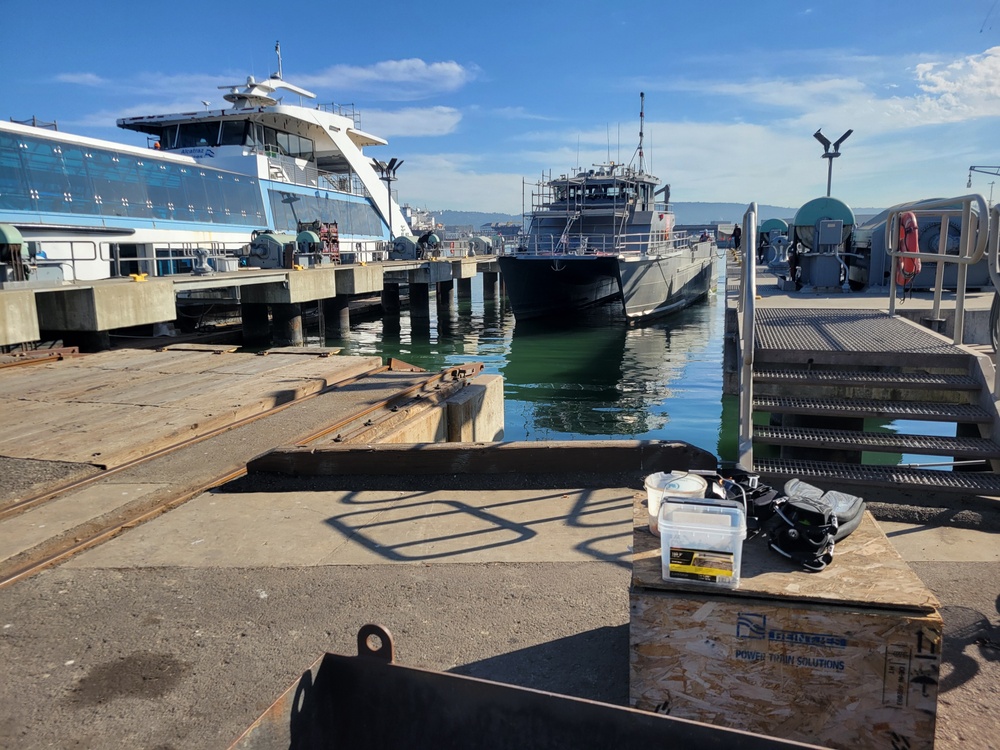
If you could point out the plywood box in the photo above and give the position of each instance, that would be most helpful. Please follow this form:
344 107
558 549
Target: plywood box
846 658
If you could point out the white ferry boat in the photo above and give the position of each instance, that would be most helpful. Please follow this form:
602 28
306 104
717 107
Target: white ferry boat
209 182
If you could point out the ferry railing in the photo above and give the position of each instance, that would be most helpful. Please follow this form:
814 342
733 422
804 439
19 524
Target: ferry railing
281 168
971 248
745 311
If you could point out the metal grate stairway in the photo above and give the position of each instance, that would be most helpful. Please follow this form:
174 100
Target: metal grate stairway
840 399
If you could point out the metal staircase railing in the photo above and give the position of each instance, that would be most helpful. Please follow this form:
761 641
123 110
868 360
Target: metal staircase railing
980 234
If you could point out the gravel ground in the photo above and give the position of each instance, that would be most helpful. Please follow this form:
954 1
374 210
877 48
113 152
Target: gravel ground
23 477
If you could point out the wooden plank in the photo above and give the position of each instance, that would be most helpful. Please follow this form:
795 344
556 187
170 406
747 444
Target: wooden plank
311 351
212 348
142 403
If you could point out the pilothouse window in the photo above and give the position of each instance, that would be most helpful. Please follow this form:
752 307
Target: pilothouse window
198 134
233 133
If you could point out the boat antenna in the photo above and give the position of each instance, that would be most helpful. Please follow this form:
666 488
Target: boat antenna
277 50
642 123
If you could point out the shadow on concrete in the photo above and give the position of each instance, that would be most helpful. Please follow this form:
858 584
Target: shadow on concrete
969 637
466 528
591 665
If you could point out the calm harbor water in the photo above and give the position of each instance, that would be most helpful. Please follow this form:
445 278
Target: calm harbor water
597 379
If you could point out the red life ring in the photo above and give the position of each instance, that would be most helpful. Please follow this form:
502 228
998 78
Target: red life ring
908 267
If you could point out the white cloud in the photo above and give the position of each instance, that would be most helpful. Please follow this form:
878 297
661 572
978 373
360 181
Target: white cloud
412 121
403 80
81 79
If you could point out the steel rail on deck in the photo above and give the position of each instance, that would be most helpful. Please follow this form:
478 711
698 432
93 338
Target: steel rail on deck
455 374
992 263
973 223
745 310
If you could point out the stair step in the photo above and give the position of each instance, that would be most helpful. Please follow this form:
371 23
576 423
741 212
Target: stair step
776 471
858 408
888 442
915 380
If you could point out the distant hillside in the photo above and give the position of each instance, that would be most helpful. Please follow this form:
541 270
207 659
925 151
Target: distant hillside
687 213
706 213
474 218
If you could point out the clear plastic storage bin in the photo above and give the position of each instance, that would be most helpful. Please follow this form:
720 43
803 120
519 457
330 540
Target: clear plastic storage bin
701 541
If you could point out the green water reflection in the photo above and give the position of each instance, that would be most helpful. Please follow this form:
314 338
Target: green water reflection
597 379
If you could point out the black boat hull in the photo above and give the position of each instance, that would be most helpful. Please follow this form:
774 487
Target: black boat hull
558 285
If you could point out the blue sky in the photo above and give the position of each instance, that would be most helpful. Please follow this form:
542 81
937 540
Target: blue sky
477 97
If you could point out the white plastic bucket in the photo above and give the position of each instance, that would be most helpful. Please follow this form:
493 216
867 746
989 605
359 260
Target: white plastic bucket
675 484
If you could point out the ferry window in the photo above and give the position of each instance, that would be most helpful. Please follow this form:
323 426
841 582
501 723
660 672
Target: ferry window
255 136
79 184
131 189
13 191
198 134
168 136
300 148
46 183
271 140
283 143
233 133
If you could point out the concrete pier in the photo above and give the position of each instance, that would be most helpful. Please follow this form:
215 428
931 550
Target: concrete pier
19 322
337 316
256 324
390 299
41 308
490 284
287 324
420 301
445 294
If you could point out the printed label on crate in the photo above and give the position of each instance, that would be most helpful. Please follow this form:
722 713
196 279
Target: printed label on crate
700 564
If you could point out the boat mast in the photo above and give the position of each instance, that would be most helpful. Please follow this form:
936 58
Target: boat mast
277 49
642 124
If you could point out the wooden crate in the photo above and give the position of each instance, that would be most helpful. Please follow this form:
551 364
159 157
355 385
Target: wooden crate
846 658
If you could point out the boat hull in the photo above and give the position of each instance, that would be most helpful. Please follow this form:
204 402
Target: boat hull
552 286
659 286
541 286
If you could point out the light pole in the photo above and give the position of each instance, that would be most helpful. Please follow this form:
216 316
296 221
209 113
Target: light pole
828 154
388 173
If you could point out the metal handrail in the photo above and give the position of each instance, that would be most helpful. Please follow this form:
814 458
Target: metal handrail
638 243
993 259
745 308
968 253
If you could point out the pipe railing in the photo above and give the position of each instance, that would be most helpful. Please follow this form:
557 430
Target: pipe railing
745 310
993 263
639 243
970 251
